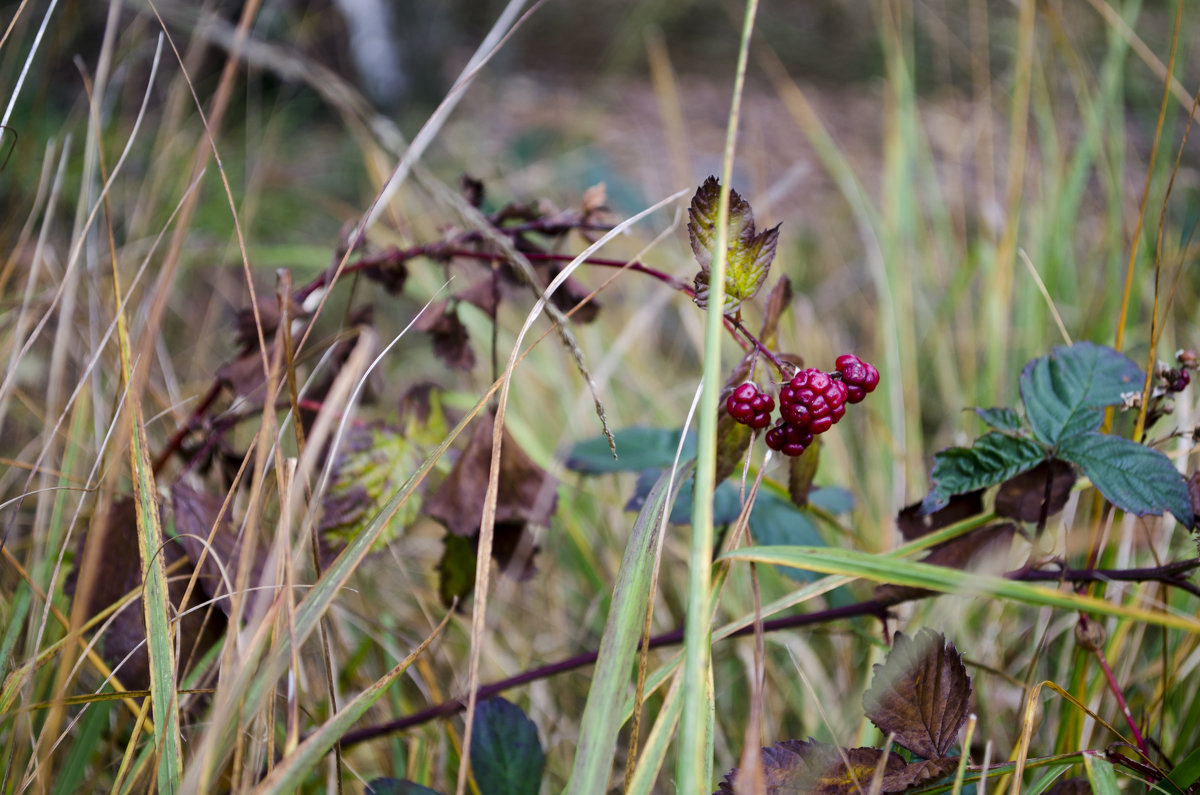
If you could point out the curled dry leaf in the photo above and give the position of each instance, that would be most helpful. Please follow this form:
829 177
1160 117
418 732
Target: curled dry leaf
792 767
195 515
1022 497
527 495
920 693
969 552
451 343
114 554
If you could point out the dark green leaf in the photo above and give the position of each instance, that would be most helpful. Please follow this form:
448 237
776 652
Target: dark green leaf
1001 419
638 448
834 499
774 521
456 569
1137 479
395 786
749 252
994 458
920 693
726 499
1064 392
506 754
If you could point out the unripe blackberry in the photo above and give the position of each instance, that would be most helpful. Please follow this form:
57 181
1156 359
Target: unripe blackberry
812 400
1177 380
789 439
859 377
749 405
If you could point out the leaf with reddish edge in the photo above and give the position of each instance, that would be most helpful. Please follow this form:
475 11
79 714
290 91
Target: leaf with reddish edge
920 693
749 252
1022 497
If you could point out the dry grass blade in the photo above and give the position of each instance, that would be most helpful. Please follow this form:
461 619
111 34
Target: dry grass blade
289 774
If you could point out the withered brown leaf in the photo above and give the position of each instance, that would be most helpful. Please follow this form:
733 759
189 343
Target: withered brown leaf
1022 497
920 693
796 767
527 493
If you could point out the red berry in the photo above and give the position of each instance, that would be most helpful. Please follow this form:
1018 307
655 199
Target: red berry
860 377
789 439
749 405
813 400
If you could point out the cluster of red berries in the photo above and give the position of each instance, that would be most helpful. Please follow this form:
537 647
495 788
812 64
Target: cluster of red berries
809 404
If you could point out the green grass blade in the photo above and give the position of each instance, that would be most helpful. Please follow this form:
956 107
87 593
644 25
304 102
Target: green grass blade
888 569
695 757
1101 775
156 609
601 724
654 751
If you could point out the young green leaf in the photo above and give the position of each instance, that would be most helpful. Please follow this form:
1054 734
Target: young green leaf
920 693
1000 419
1137 479
1064 392
994 458
506 755
749 252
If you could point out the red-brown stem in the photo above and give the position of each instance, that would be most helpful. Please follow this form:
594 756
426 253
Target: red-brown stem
1117 692
1170 574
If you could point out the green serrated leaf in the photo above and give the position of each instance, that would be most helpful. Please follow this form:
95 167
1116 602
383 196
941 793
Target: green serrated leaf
1135 478
1064 392
994 458
1000 418
373 462
639 448
750 252
506 754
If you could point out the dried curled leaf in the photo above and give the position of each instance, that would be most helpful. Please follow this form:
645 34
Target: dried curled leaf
793 767
110 551
749 252
451 343
971 551
1022 497
527 493
920 693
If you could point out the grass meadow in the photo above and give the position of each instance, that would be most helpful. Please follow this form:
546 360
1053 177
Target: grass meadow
247 507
